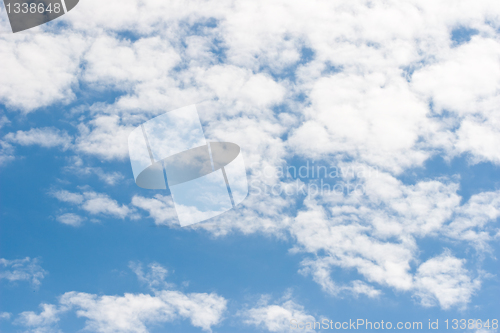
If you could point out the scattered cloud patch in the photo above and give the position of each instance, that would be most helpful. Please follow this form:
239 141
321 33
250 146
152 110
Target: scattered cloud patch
71 219
160 208
5 315
45 137
40 322
154 277
94 203
4 121
26 269
78 167
6 153
104 137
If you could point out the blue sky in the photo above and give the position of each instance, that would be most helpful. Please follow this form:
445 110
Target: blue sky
407 89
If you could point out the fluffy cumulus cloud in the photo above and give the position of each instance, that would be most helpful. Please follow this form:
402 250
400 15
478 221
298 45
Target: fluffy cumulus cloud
281 317
443 279
130 312
70 219
374 117
30 82
26 269
105 137
354 84
43 321
474 222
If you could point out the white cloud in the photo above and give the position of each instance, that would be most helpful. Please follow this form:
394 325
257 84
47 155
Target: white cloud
354 232
374 118
466 82
479 138
235 83
131 312
4 121
48 316
321 272
474 221
123 63
70 219
5 315
6 153
160 208
66 196
277 317
155 278
94 203
38 69
77 167
360 288
444 280
111 178
45 137
26 269
105 137
461 77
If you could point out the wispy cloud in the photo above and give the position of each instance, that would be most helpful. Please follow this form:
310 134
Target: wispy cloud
77 166
46 137
93 203
26 269
160 208
5 315
154 277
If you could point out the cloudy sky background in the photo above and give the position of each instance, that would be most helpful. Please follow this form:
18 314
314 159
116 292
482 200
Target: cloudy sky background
400 97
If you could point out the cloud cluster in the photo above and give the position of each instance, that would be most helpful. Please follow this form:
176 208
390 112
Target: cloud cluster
139 312
377 235
130 312
383 85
